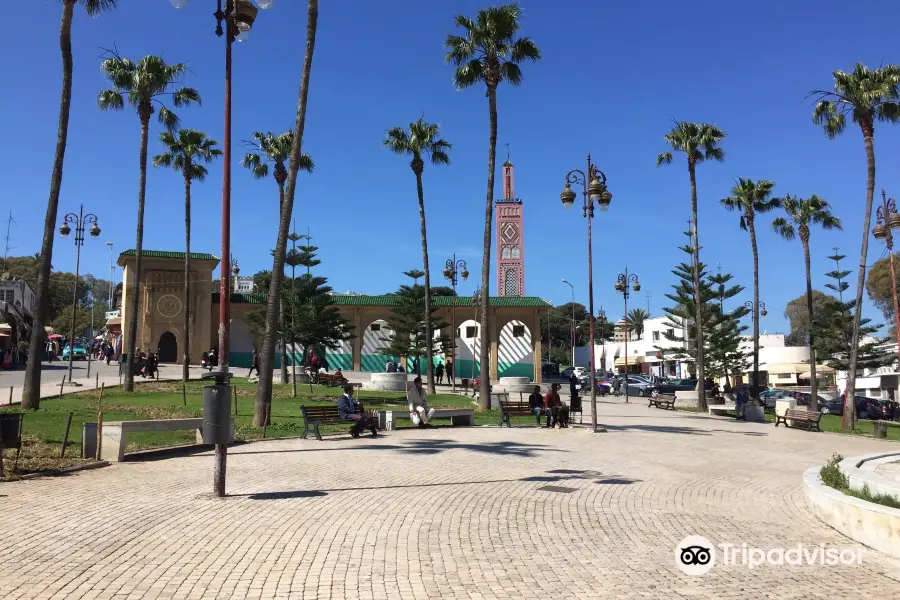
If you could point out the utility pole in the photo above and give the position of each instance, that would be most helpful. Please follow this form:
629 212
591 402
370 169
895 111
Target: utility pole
9 223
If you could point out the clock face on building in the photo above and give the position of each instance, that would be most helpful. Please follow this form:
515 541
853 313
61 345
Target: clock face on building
169 306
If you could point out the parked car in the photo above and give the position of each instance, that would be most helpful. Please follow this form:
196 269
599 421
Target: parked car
831 407
638 386
670 386
79 352
567 372
549 369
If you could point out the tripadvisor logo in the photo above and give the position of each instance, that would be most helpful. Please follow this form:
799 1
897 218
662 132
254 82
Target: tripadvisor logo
695 555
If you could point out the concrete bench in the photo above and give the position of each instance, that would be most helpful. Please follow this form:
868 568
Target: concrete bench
458 416
721 409
115 433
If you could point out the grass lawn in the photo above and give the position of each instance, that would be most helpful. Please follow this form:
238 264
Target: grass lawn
44 429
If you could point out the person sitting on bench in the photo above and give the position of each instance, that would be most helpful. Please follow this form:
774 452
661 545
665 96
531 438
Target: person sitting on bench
347 411
419 411
536 402
555 408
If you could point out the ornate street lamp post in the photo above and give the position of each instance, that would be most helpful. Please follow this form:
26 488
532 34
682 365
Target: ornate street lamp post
888 220
622 281
238 16
762 312
573 319
80 221
593 185
476 302
453 270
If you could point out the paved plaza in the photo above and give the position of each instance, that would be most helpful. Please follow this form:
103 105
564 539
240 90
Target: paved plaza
441 513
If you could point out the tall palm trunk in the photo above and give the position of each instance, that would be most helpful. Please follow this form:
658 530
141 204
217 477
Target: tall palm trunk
751 226
31 393
848 421
138 252
284 369
186 352
264 389
813 384
484 391
698 304
429 335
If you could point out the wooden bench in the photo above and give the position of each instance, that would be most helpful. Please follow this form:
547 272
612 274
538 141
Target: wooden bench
115 433
880 428
313 416
810 417
515 409
458 416
330 379
663 402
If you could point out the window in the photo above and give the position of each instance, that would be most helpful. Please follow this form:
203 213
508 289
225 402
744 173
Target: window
515 252
375 327
670 331
470 331
518 331
783 375
655 336
505 253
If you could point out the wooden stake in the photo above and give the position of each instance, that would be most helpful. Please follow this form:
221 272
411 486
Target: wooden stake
184 392
100 420
62 451
266 423
235 400
61 384
97 381
10 395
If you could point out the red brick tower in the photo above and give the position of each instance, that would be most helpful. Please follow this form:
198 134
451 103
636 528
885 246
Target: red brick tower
509 234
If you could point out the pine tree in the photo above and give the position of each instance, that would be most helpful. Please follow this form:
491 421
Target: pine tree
407 323
726 358
834 329
721 343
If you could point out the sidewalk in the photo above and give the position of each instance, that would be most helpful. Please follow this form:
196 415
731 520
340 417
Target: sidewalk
169 372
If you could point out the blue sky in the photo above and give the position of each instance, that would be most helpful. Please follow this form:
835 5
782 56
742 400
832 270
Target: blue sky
612 78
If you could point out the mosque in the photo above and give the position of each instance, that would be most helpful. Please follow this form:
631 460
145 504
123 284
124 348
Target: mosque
514 318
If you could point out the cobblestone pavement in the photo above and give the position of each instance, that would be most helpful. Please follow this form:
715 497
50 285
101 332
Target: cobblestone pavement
441 513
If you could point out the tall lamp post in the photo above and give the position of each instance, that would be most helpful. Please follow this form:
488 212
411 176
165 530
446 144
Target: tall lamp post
453 269
238 16
573 319
887 220
476 302
112 277
593 185
80 221
762 312
622 281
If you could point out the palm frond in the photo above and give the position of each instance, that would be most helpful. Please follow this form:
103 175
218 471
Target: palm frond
168 119
163 160
186 96
468 74
510 72
664 159
95 7
306 163
110 100
783 228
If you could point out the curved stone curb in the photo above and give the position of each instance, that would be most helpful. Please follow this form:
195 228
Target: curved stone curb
870 524
66 471
860 471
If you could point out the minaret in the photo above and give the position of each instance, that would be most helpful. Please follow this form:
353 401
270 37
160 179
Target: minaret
510 249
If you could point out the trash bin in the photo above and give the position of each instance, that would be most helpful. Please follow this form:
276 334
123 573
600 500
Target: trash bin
465 384
11 429
217 408
575 404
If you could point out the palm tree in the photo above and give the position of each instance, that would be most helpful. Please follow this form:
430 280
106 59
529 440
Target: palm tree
275 149
750 197
422 139
866 96
31 393
635 320
489 53
267 356
184 154
700 142
143 83
801 214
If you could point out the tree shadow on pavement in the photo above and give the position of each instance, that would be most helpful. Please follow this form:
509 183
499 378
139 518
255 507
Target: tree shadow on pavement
504 448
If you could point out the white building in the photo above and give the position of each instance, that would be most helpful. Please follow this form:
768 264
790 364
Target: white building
19 294
243 284
643 355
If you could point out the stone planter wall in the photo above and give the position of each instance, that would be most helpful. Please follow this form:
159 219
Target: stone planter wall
388 382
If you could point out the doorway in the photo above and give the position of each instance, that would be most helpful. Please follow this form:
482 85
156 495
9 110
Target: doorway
168 348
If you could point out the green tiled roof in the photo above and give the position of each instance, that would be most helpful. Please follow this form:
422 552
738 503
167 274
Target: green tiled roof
387 300
167 254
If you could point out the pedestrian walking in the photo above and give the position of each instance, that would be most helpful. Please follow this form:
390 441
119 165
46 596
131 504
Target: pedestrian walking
254 363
